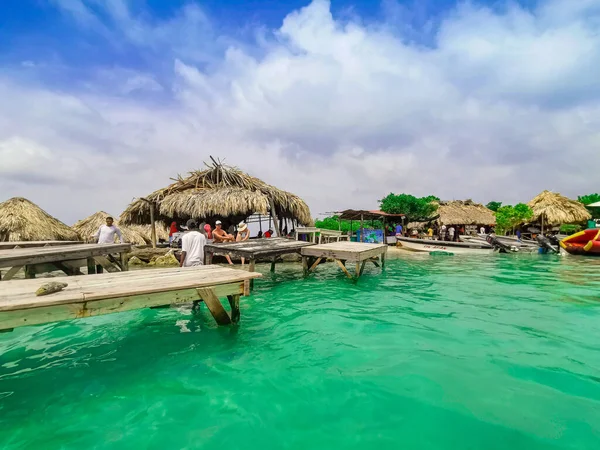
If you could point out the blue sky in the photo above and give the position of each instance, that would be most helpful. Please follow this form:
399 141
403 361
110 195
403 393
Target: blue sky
338 101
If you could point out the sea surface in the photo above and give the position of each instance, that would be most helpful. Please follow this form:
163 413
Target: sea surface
437 352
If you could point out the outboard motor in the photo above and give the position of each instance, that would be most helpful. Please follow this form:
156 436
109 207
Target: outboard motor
546 244
501 247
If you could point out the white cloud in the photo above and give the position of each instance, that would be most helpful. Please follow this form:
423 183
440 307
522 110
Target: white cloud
501 106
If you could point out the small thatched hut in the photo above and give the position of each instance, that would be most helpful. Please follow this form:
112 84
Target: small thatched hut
219 192
134 234
22 220
551 208
466 212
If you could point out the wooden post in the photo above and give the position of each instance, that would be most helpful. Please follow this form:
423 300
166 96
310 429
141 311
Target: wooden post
251 268
214 305
29 272
274 216
152 226
124 262
383 260
384 234
91 266
234 303
273 264
361 228
357 270
305 265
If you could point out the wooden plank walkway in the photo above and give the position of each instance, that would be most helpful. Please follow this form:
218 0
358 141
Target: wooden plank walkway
342 252
68 258
27 244
255 248
117 292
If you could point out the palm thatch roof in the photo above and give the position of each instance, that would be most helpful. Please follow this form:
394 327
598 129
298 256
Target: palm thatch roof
134 234
466 212
556 209
219 191
22 220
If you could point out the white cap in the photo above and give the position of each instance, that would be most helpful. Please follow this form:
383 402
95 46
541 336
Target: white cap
218 222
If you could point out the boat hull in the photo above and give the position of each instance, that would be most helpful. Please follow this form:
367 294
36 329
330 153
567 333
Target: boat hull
426 245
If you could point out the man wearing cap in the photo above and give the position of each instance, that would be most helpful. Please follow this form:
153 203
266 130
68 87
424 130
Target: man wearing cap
192 246
220 236
242 235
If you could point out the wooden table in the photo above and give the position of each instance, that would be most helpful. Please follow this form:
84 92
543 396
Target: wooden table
124 291
323 233
341 252
255 248
26 244
68 258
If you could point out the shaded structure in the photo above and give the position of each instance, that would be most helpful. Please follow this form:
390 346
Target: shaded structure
362 215
22 220
342 252
551 208
67 258
218 193
118 292
467 212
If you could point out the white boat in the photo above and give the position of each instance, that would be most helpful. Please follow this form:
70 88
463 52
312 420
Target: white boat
429 245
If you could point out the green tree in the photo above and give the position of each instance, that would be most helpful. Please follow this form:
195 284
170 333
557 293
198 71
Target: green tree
494 206
508 217
589 199
415 209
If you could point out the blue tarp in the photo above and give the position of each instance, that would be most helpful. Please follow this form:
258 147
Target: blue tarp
370 236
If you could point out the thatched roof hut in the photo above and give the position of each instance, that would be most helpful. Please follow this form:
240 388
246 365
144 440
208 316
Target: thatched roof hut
220 192
466 212
551 208
134 234
22 220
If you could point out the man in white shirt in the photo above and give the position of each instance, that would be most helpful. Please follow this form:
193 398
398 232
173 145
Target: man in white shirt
106 233
192 246
451 231
482 230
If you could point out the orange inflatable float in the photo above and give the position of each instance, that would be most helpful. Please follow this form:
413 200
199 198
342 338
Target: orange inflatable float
585 242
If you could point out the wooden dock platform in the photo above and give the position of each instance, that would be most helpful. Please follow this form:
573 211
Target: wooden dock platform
68 258
255 248
117 292
342 252
28 244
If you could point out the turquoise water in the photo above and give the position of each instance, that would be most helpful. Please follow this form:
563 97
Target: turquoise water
440 352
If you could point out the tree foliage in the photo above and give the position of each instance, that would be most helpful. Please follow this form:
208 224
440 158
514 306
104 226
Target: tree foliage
508 217
589 199
416 209
494 206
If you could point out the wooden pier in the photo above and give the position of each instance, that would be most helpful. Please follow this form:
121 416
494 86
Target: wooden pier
68 258
117 292
343 252
27 244
255 248
324 234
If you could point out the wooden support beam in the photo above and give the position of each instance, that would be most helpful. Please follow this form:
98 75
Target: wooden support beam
357 270
152 225
315 264
234 302
106 264
124 261
383 260
362 267
91 266
214 305
343 267
274 216
11 273
361 228
273 264
29 272
66 269
305 265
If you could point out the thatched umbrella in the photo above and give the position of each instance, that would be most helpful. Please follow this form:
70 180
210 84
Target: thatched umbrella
220 191
465 213
22 220
551 208
134 234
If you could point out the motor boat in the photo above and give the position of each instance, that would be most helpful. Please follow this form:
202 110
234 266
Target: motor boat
586 242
